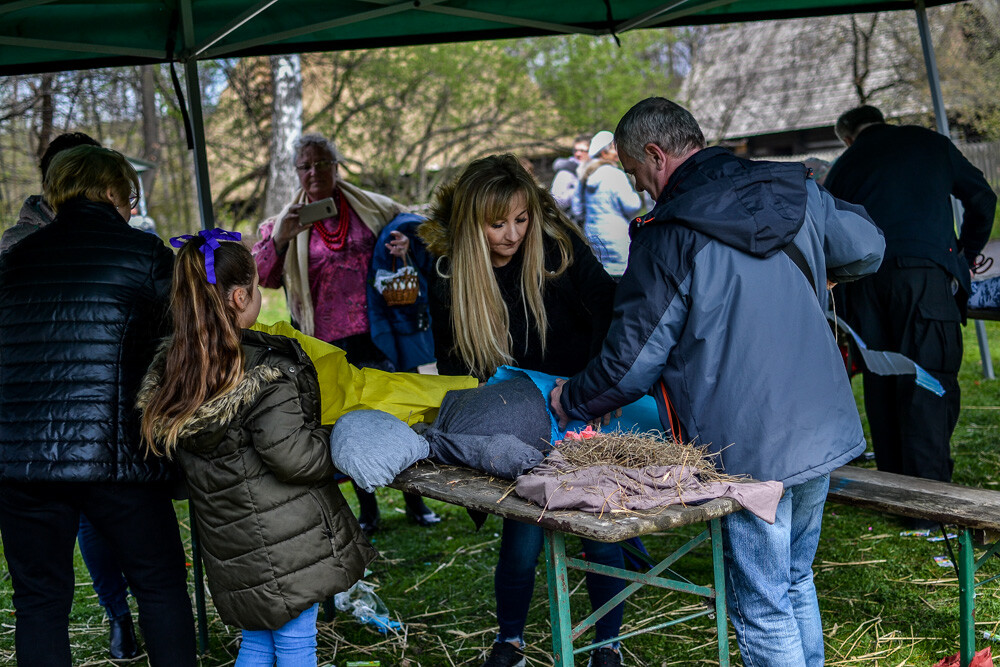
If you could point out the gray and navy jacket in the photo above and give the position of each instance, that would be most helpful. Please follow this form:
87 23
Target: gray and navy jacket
725 330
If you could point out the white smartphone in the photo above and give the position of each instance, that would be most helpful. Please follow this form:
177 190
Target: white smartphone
317 210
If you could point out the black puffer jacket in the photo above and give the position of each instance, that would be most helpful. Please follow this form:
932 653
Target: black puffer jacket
83 303
276 533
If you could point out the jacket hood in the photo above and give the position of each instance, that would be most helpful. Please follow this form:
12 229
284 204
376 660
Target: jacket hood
203 430
435 232
35 211
593 172
753 206
565 164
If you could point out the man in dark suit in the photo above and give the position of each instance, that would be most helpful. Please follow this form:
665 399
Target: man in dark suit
915 304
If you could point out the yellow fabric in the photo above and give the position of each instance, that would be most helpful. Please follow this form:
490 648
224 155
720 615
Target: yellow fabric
411 397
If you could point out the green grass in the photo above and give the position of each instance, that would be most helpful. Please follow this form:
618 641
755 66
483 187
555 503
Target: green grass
883 598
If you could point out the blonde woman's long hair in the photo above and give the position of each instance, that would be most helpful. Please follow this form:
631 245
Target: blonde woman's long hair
482 195
204 358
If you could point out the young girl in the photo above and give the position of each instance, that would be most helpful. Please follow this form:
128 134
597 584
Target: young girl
240 411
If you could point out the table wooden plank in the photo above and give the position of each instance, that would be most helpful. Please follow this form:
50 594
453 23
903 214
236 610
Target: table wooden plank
476 490
984 314
918 498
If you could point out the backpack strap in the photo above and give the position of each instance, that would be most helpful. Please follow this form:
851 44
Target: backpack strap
799 260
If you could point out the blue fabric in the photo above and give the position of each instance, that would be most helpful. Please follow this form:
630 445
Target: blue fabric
892 363
291 645
402 333
514 581
639 415
105 572
769 580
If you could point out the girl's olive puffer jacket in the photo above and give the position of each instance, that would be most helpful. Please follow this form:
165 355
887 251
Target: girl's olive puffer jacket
277 536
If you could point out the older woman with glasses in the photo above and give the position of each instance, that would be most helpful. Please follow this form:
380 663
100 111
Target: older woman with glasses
323 266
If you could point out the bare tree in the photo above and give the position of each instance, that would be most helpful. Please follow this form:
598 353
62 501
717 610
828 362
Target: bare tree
150 127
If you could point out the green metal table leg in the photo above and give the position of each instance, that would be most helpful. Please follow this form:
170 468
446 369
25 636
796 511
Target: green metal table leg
562 624
966 597
718 568
199 585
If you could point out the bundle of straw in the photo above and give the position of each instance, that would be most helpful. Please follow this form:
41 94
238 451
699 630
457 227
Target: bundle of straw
632 449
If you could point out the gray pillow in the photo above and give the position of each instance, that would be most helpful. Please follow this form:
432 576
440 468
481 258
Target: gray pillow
372 447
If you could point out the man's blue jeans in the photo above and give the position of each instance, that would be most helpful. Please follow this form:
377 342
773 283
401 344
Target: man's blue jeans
514 581
769 580
291 645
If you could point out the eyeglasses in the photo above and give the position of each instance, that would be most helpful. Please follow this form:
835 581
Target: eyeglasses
319 165
133 199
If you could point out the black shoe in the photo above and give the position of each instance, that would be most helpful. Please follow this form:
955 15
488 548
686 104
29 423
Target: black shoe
122 644
605 657
369 524
505 654
425 518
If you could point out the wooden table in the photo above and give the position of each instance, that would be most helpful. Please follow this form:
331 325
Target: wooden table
477 491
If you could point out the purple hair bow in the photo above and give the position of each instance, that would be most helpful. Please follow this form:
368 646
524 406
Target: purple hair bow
212 238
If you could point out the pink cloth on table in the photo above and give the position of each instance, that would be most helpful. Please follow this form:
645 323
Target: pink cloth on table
597 489
337 278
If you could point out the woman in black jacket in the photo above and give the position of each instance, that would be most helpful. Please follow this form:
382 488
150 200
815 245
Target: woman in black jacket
517 284
82 305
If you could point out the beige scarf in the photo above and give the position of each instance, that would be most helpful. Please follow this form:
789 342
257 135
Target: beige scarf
375 210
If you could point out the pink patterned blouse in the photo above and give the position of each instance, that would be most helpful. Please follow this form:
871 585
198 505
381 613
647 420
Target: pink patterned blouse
337 278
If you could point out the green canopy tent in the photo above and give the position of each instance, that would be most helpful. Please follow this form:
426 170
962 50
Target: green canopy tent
56 35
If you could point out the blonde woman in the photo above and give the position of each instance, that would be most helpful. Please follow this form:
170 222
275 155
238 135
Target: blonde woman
517 284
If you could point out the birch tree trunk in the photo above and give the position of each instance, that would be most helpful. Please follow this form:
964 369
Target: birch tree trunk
286 126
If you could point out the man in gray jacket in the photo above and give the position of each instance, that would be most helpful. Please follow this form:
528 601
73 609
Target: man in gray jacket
716 319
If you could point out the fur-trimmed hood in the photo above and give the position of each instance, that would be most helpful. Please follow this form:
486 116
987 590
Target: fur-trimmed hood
216 414
436 232
203 429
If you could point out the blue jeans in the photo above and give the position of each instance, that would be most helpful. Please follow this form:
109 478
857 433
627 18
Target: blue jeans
105 572
292 645
514 581
769 580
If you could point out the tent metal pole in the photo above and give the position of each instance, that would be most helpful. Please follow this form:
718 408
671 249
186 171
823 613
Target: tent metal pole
941 118
193 86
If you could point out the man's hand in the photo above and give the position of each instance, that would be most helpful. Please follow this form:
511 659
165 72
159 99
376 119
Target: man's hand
598 422
556 403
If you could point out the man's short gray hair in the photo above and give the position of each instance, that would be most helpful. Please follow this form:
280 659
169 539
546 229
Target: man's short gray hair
851 121
657 120
320 142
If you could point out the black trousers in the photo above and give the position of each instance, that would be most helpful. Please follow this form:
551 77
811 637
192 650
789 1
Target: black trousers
909 307
39 522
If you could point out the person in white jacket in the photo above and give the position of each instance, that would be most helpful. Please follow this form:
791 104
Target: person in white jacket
567 177
607 202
